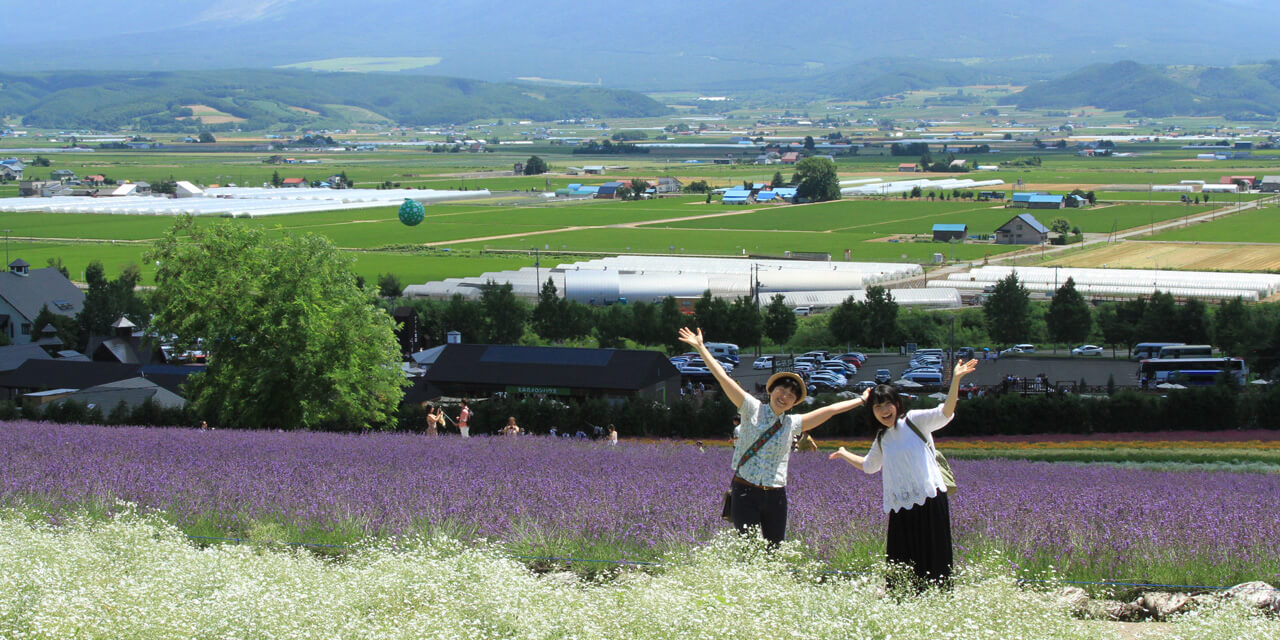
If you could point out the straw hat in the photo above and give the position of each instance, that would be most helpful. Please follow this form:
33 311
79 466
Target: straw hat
773 379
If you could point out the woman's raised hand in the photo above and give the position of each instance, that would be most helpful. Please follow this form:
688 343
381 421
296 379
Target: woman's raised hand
964 368
690 337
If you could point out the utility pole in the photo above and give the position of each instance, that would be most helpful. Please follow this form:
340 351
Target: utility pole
6 246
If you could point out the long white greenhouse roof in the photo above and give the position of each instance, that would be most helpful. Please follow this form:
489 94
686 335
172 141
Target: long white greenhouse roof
247 202
1202 284
652 278
903 186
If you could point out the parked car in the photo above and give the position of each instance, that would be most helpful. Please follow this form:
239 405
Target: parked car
839 366
965 353
853 355
1011 351
829 376
763 362
819 354
863 385
1026 348
883 376
803 311
1087 350
929 380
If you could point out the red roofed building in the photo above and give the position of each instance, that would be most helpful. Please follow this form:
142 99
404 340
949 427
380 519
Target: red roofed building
293 182
907 168
791 157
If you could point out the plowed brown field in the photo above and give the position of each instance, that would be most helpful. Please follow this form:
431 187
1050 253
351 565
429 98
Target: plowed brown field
1191 256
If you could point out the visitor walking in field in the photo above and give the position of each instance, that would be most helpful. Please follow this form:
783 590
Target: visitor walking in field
434 420
915 487
758 493
464 420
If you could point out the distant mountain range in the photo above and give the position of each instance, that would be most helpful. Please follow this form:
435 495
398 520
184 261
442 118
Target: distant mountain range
262 99
1243 92
657 45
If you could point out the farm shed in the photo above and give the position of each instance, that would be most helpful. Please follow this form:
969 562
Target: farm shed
1227 188
477 370
948 232
1046 202
1022 229
608 190
1247 180
1176 188
736 196
1022 199
240 202
1269 184
907 167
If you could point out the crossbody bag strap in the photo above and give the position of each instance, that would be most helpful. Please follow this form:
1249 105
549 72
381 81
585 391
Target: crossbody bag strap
917 432
759 443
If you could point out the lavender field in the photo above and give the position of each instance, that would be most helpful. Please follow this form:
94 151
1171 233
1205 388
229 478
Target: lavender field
538 496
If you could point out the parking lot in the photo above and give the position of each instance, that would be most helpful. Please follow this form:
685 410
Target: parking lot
1057 368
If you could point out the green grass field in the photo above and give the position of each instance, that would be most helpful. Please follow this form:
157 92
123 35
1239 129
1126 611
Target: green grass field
1258 225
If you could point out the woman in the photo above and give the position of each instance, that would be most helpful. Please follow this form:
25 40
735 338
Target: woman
760 454
433 422
613 435
464 419
915 494
511 428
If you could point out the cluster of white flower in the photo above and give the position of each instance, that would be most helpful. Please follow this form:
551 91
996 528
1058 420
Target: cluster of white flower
136 577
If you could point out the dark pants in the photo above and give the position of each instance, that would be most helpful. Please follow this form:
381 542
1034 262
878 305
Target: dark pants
921 538
762 508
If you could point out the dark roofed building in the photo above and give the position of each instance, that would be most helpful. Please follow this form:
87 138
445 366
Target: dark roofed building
24 291
42 375
948 232
1022 229
12 356
472 370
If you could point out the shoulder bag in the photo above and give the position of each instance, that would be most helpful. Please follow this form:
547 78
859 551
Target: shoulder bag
726 511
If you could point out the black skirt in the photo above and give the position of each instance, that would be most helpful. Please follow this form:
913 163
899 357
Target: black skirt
921 537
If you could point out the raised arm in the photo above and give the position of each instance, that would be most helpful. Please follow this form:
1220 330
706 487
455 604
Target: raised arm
962 369
843 454
732 391
816 417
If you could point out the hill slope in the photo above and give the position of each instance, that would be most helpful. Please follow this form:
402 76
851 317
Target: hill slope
265 98
1149 90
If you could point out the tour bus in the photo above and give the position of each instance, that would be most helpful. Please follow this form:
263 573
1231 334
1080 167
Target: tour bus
1185 351
1144 350
727 349
1157 370
1194 377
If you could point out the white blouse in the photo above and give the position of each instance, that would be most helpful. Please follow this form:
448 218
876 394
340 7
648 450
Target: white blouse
909 472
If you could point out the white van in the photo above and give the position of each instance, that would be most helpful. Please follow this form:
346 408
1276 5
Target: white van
803 311
726 349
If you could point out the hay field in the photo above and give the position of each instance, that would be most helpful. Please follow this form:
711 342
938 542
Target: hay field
209 115
1190 256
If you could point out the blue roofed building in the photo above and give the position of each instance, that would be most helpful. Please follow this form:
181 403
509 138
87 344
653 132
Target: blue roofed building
1022 199
736 196
1045 201
949 232
608 190
1022 229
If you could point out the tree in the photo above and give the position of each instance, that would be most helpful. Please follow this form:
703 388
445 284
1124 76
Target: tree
548 314
670 319
613 323
779 321
68 330
808 143
1008 311
1193 322
389 286
535 166
712 315
504 315
1060 226
275 179
1231 325
817 180
1159 321
292 342
1069 319
106 300
207 137
881 316
846 322
464 316
56 263
777 180
745 324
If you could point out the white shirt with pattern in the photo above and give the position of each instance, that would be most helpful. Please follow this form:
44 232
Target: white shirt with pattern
768 468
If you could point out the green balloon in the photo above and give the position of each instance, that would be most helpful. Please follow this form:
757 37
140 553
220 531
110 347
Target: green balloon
411 212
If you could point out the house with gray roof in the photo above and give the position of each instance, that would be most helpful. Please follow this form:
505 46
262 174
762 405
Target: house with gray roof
25 291
1022 229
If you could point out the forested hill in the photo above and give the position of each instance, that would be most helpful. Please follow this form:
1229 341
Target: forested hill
264 99
1241 92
